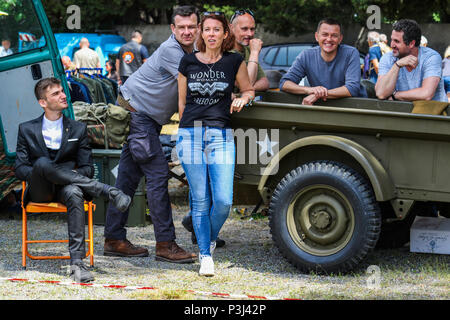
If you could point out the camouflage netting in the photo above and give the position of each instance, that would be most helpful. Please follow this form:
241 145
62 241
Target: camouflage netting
100 116
8 181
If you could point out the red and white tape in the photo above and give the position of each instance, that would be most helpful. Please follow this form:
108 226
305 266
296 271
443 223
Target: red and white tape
114 286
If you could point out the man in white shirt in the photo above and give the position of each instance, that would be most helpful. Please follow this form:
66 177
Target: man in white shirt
86 57
5 49
54 157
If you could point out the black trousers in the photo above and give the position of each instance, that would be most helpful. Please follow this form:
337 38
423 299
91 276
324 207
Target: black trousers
143 156
55 182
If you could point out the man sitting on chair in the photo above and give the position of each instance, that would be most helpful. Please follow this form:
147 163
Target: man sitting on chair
54 157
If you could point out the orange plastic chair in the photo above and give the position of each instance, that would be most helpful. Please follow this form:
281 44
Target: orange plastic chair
35 207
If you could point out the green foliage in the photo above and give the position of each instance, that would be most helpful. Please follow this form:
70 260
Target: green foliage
284 17
20 17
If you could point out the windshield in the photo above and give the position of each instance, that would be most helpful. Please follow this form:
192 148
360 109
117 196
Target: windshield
20 30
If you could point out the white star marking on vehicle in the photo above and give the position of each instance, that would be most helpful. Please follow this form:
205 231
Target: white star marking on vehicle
266 146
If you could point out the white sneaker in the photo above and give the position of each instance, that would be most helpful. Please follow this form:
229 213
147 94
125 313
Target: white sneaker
212 247
206 266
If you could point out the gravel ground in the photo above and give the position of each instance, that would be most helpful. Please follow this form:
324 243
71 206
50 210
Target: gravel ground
249 264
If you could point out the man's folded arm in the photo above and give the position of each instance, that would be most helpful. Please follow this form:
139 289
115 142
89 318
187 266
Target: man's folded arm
84 156
23 167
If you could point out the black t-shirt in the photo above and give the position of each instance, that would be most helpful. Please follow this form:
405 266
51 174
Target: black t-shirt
209 88
131 56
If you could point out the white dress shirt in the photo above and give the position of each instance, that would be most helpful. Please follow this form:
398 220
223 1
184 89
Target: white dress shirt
52 132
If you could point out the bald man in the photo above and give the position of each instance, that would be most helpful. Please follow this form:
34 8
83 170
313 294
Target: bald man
243 26
86 57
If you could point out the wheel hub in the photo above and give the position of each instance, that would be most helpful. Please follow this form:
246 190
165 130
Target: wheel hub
320 220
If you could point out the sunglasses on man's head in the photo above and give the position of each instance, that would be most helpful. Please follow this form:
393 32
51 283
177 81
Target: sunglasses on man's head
240 13
213 13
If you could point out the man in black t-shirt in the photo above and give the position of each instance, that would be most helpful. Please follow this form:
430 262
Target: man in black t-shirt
131 56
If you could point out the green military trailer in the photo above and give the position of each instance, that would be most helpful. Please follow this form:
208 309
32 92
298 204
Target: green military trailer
344 176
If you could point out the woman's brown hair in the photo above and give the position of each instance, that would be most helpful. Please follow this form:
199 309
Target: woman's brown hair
228 42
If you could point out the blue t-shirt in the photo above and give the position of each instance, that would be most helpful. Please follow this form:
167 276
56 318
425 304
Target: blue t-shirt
430 65
374 53
344 70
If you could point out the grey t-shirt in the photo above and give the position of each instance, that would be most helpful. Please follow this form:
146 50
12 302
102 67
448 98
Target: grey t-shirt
343 70
153 88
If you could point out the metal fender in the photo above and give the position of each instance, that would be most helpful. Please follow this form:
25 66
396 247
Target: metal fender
381 182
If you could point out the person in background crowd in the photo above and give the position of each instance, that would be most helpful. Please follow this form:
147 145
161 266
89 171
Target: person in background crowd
243 27
384 46
205 144
446 72
111 71
423 41
333 69
5 49
68 64
373 39
86 57
131 56
150 94
54 157
410 72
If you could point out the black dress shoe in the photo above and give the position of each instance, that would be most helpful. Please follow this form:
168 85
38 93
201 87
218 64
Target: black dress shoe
119 199
80 273
219 242
187 223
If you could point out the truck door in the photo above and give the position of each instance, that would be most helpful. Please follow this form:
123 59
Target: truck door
28 53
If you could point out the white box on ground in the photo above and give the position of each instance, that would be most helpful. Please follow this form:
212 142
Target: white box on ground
430 235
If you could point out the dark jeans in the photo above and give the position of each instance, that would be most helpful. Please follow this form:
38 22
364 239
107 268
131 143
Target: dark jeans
55 182
141 156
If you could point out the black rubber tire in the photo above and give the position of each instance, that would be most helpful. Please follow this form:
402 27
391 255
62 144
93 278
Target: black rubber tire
358 193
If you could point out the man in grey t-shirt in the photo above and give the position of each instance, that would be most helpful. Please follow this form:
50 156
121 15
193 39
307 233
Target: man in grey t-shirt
151 94
332 69
410 72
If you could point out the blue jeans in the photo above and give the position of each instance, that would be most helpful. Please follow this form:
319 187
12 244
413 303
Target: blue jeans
207 156
447 84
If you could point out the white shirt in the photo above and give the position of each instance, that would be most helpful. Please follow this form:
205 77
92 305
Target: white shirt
4 53
52 132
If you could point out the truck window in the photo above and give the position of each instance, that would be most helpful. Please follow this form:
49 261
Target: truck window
20 30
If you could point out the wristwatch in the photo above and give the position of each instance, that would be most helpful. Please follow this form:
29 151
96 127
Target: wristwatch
393 94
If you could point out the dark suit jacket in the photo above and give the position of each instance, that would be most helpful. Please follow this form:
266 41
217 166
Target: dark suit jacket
74 152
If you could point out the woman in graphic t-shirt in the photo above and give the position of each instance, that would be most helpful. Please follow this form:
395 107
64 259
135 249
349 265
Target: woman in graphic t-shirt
205 143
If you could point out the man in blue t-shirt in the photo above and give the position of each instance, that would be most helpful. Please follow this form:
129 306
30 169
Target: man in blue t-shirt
410 72
332 69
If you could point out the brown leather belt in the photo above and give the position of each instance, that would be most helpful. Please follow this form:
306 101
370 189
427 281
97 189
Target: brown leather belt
124 103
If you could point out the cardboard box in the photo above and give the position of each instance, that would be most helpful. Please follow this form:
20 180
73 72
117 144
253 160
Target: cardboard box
430 235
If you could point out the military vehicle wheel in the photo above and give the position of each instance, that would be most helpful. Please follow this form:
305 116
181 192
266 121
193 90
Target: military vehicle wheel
324 217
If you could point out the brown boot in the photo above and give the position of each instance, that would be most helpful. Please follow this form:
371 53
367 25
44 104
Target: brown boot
169 251
123 248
